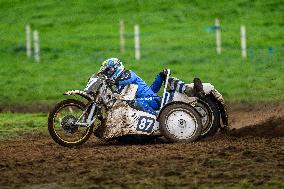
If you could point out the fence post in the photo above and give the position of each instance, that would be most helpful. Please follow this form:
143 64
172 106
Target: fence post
218 36
28 41
36 46
243 42
122 36
137 42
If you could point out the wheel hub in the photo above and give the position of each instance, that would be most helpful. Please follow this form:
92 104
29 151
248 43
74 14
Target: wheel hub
68 124
182 123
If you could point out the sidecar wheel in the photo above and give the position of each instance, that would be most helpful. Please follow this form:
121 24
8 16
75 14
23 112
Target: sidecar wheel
210 116
61 127
180 122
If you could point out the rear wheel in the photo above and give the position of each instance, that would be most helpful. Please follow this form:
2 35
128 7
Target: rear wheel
180 122
62 127
210 116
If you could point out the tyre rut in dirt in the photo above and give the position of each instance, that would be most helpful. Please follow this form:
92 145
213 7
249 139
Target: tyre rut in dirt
70 104
180 122
212 119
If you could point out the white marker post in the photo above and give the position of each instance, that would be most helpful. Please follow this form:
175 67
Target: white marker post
243 42
122 36
218 36
137 43
28 41
36 46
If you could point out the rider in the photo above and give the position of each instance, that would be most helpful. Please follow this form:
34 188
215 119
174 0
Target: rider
146 98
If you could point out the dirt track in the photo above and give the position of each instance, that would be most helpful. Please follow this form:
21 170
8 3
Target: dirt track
254 151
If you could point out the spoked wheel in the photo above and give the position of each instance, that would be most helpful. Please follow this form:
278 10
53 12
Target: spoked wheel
180 122
210 116
62 123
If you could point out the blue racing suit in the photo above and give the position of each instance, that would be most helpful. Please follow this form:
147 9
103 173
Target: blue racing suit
146 98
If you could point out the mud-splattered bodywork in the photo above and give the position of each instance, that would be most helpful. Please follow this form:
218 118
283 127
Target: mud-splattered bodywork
124 120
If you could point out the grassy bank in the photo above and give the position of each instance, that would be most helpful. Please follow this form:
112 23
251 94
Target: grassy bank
12 125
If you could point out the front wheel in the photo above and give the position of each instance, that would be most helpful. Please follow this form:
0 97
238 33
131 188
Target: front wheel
62 125
180 122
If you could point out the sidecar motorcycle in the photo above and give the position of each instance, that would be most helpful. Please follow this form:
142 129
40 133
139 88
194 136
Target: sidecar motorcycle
113 116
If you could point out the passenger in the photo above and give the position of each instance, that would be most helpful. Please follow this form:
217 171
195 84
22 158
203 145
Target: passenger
145 99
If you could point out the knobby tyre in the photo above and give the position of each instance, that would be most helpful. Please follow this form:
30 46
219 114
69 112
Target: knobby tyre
62 134
210 121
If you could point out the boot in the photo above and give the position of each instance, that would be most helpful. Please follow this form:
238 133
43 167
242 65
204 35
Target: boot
198 88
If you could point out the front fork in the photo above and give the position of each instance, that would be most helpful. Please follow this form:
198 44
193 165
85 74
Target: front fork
91 111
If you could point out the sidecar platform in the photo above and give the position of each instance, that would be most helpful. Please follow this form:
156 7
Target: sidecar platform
124 120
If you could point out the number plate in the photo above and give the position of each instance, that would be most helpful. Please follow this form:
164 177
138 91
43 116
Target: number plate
145 124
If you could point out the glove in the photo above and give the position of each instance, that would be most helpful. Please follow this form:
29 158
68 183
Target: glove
164 74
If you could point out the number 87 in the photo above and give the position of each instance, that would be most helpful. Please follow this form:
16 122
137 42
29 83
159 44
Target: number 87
145 124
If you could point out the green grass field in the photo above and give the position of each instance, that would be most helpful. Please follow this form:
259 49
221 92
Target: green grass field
13 125
76 36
